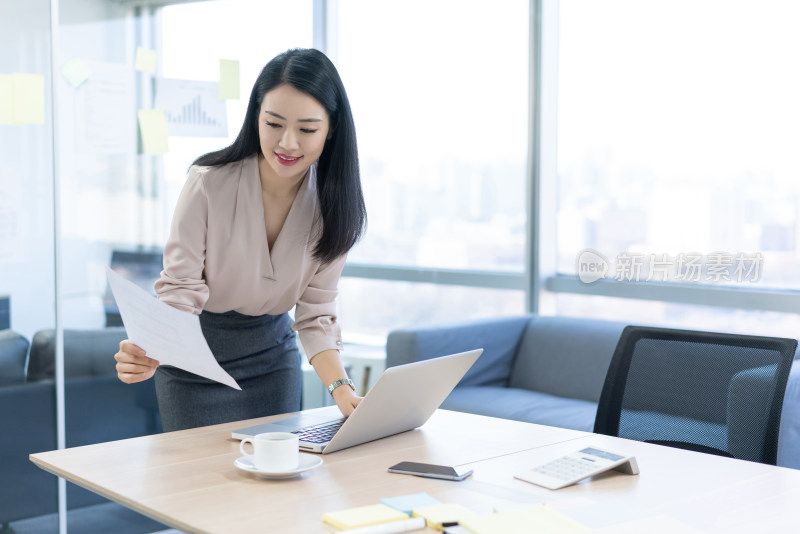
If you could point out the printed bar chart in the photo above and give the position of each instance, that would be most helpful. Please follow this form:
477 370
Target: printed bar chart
192 108
192 114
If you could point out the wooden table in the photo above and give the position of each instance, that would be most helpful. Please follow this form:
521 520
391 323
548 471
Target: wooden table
187 479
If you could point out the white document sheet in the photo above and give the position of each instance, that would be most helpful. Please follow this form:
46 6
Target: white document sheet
171 336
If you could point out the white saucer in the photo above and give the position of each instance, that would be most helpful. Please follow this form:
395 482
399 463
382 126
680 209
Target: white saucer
307 461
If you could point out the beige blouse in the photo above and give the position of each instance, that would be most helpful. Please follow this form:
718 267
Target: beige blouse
217 257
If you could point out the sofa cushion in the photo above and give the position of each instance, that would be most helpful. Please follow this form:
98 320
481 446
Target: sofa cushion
13 351
523 405
86 353
499 339
566 356
28 420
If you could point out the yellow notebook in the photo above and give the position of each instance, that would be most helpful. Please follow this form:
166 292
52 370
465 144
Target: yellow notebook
363 516
533 520
440 515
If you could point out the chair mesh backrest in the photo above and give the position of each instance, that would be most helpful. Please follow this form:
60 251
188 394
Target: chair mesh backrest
717 393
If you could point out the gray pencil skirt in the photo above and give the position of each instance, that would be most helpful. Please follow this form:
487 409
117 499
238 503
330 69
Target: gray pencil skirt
259 352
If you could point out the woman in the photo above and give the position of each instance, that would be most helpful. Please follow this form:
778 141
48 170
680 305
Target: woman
260 227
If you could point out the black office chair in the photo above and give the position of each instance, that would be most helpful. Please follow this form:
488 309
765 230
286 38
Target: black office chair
708 392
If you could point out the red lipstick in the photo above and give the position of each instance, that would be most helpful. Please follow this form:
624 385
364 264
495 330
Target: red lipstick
288 161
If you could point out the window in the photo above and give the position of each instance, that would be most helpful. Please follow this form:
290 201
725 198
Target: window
439 92
676 141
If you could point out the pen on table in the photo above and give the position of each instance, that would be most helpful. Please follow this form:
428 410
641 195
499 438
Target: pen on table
404 525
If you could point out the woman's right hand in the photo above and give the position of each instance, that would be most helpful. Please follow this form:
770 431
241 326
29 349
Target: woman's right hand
133 365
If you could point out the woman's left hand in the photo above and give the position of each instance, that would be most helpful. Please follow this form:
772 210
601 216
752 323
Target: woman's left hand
346 399
328 366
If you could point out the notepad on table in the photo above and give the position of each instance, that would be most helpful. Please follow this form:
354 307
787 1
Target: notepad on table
531 520
362 516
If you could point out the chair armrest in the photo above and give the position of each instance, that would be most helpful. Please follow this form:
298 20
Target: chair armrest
13 351
499 337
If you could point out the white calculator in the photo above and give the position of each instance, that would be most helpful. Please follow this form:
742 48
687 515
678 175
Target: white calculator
576 466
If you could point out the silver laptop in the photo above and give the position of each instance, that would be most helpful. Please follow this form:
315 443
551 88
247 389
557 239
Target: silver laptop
403 399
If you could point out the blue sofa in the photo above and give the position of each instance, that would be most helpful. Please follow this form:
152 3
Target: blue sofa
545 370
98 408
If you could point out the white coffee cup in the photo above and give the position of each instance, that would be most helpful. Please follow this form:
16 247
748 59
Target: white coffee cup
273 452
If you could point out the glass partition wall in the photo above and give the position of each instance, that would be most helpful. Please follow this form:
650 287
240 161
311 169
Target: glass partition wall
110 201
120 177
27 244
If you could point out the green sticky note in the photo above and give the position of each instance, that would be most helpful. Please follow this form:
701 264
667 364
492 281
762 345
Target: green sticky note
153 127
145 60
228 79
28 98
6 99
76 71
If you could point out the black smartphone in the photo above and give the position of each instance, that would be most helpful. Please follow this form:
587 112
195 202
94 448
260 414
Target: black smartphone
431 471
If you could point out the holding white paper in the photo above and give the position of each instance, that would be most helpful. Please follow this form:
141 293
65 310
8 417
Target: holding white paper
171 336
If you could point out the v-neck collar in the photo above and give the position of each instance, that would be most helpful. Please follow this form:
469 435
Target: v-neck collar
294 228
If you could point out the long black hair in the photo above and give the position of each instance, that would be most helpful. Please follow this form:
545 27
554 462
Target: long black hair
344 215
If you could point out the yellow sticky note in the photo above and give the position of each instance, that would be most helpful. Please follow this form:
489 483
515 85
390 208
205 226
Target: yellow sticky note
76 71
439 515
532 520
228 79
363 516
28 98
153 127
6 99
145 60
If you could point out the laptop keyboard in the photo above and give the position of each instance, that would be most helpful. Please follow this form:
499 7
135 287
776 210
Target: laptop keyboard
321 433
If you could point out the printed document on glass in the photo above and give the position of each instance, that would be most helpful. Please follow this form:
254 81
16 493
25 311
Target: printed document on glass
171 336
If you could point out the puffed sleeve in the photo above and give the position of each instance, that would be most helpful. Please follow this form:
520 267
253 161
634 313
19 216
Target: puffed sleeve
315 313
181 284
